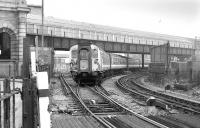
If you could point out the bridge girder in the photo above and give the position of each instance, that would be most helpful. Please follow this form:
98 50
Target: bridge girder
60 43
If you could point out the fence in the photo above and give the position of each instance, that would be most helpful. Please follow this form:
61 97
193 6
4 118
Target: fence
7 93
8 68
7 110
60 66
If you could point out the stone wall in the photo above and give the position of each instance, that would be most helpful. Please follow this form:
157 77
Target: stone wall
13 15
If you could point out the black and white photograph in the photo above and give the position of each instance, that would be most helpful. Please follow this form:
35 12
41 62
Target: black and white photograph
100 63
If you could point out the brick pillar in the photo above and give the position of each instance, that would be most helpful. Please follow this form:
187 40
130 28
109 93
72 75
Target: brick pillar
21 35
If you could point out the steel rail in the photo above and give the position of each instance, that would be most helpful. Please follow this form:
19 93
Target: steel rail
121 84
165 102
66 85
130 111
77 96
173 100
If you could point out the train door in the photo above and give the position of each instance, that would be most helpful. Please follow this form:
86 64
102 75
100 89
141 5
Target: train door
84 58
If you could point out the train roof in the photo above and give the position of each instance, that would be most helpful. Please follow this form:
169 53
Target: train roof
93 46
74 47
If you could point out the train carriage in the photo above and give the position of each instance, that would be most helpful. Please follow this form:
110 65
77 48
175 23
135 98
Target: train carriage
85 63
89 63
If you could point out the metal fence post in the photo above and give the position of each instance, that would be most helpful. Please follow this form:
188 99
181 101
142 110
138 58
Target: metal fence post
9 69
0 108
27 104
7 104
14 73
29 92
26 88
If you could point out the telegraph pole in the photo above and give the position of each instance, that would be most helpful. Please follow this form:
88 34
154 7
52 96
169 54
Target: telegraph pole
42 23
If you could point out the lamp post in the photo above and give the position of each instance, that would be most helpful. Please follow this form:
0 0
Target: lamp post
42 23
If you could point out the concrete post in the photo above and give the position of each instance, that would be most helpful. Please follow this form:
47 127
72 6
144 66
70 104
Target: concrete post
142 60
127 61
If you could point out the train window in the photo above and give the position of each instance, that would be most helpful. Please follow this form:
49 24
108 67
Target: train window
84 54
74 53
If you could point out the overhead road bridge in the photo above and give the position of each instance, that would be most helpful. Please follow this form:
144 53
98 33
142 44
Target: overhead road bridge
62 34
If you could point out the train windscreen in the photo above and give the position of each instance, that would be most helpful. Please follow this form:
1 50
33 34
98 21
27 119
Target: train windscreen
84 56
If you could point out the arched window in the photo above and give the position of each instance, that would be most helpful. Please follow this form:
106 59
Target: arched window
5 45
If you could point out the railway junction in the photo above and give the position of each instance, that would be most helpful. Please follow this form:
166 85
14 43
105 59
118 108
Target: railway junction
37 89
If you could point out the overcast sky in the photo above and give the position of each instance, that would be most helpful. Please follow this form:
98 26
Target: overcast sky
173 17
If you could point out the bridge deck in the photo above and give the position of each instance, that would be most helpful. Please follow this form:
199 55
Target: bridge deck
62 34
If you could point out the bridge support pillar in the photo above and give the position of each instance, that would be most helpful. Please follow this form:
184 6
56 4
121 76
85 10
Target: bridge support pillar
142 60
127 62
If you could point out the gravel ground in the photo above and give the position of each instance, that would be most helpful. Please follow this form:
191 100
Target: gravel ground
187 94
87 94
127 100
57 97
193 120
60 103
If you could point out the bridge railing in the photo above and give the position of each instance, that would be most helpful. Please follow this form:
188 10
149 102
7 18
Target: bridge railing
80 32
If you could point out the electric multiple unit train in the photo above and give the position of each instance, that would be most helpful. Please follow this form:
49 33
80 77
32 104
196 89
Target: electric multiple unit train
89 63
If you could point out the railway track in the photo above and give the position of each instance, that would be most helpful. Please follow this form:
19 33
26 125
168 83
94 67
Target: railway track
61 100
98 104
68 87
170 100
108 112
143 95
139 96
75 92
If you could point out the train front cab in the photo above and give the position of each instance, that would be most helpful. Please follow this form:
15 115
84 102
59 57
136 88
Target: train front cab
86 75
